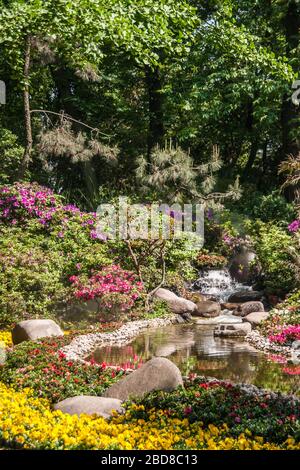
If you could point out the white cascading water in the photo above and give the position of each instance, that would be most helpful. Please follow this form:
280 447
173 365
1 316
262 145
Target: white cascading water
219 283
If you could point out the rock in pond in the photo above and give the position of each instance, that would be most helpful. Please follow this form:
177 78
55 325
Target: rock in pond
249 307
184 318
255 318
222 319
157 374
89 405
241 329
208 309
177 304
245 296
30 330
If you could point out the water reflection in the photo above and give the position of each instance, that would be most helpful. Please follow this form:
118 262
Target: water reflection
195 349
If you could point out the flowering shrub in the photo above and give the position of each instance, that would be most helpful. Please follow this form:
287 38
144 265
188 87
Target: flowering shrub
115 289
286 335
42 243
205 260
22 202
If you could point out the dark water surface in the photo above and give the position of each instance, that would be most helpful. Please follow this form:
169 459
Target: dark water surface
194 348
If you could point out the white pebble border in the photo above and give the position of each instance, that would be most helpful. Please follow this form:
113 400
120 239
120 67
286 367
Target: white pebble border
263 344
83 345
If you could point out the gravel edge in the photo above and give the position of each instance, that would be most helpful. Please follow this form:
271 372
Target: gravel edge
263 344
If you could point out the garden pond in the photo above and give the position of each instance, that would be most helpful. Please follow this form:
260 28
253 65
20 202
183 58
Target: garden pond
195 349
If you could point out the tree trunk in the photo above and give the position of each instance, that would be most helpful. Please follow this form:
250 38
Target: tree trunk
251 158
265 157
155 103
62 77
27 117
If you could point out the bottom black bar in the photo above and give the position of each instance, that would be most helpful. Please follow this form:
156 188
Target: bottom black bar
133 459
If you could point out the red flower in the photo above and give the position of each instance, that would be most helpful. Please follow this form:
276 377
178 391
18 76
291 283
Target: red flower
188 410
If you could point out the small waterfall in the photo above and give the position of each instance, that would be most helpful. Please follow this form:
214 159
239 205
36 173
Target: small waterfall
219 283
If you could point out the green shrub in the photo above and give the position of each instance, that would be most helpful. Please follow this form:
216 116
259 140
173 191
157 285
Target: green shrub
271 246
271 207
10 156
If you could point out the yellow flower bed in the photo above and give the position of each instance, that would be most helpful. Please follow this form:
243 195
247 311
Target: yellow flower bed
5 337
30 423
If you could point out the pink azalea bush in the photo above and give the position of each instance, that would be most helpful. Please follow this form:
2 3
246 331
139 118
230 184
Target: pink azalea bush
115 289
24 202
286 334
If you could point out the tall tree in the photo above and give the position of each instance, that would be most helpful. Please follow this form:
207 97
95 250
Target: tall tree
80 31
290 113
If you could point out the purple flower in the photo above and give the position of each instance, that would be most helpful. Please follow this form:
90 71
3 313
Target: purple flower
294 226
100 236
227 239
210 214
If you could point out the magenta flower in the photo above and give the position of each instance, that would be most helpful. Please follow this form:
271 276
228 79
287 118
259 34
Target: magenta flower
294 226
286 334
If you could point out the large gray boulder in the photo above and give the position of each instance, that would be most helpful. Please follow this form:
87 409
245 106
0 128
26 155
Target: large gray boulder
240 265
30 330
89 405
165 294
235 330
177 304
157 374
245 296
249 307
255 318
208 309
